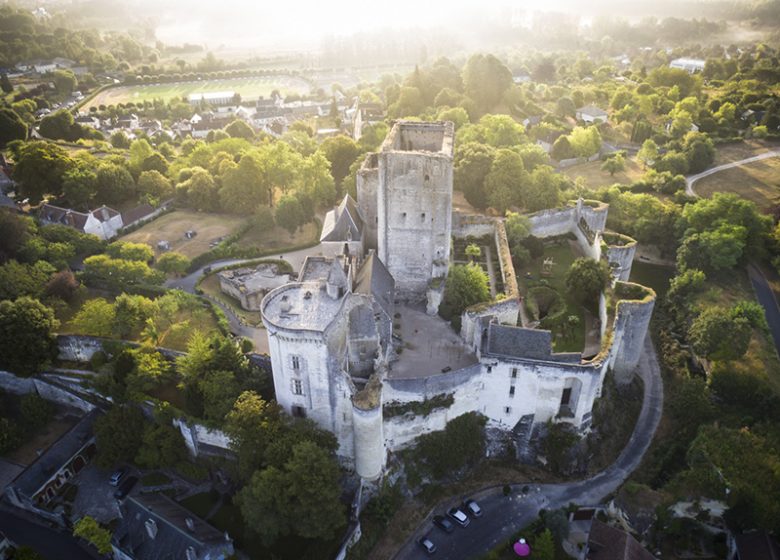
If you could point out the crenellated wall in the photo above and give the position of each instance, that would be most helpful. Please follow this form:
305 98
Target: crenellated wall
620 254
633 312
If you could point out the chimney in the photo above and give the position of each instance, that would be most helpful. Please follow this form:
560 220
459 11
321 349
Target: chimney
190 524
151 528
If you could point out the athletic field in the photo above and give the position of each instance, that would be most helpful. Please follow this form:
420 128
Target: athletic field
248 88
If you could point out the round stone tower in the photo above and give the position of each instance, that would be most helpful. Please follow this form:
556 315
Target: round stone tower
369 441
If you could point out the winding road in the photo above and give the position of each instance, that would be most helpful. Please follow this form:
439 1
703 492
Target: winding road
503 516
691 179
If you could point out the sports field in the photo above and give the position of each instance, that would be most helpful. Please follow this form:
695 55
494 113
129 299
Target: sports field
248 88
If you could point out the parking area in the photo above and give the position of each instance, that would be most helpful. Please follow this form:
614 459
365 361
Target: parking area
449 527
95 496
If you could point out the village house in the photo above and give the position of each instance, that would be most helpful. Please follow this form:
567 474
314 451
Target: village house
104 222
591 114
690 65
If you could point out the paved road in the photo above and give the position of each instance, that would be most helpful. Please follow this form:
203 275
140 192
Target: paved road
690 180
503 516
53 545
766 297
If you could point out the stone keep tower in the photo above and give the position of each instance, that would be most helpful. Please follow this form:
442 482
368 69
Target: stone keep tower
414 205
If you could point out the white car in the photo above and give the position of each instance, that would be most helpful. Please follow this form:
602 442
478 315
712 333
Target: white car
457 514
472 508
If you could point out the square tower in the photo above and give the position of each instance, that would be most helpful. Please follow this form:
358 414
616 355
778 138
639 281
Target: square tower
414 204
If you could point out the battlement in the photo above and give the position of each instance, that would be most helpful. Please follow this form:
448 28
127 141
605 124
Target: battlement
412 136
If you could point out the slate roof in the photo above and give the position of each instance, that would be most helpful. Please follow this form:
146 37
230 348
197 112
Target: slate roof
593 111
518 342
343 223
60 452
56 215
173 537
137 213
757 545
374 279
610 543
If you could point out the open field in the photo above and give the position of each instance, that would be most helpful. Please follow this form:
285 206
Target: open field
758 181
248 88
171 228
279 238
596 178
726 153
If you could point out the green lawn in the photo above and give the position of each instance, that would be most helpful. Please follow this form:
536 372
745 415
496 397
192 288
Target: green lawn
758 182
248 88
563 257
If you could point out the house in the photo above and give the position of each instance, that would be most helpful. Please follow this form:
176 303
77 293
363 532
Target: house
342 229
104 222
87 120
37 485
130 121
591 114
690 65
154 527
610 543
366 114
756 545
521 78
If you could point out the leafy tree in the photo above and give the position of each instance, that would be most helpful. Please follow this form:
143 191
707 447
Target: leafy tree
499 131
713 250
457 115
300 498
95 318
64 81
60 126
504 182
614 164
40 168
252 425
245 186
63 285
472 164
24 279
155 162
466 285
410 103
543 190
586 279
562 149
289 213
114 183
120 140
718 335
154 185
700 151
485 80
14 232
199 190
90 530
79 186
139 150
118 435
341 151
461 443
585 141
220 389
131 313
118 273
5 83
27 342
556 446
36 412
161 447
12 127
239 129
173 263
26 553
130 251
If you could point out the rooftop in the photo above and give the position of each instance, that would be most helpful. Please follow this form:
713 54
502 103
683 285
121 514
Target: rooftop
261 277
413 136
301 305
343 223
430 346
610 543
210 95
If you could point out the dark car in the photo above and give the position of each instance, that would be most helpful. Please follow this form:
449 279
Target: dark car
125 487
427 544
443 523
460 518
472 508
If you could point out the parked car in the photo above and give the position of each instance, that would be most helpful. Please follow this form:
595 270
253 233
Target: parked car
116 477
443 523
427 544
125 487
472 508
457 514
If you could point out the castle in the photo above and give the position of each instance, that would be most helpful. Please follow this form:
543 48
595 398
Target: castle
355 342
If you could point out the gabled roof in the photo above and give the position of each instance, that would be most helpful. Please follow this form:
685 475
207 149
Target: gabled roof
104 213
374 279
137 213
593 111
518 342
173 536
610 543
343 223
32 479
65 216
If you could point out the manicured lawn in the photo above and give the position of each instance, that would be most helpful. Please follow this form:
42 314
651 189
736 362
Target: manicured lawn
758 181
171 228
596 178
248 88
280 238
562 255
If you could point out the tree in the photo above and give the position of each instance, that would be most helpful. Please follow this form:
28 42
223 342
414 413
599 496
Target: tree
27 342
466 285
473 251
118 273
115 184
64 82
614 164
79 187
131 312
118 435
289 213
173 263
300 498
24 279
648 153
40 168
26 553
11 435
544 547
562 149
340 151
585 141
14 232
410 103
90 530
63 285
155 162
154 185
252 425
714 250
543 190
719 335
161 447
130 251
485 80
36 412
12 127
504 182
472 164
586 279
120 140
199 190
60 126
239 129
95 318
461 443
244 186
700 151
5 83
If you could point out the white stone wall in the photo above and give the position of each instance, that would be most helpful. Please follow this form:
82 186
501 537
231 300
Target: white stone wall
367 185
621 258
16 385
368 442
631 323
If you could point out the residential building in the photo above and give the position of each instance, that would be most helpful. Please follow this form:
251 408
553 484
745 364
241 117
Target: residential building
104 222
591 114
690 65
